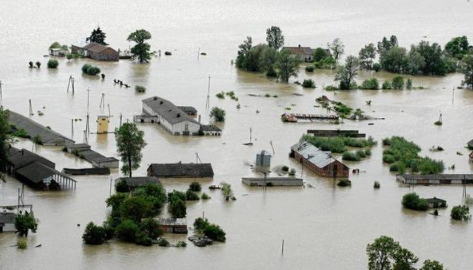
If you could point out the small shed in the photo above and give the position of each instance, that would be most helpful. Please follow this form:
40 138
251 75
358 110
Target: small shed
263 159
102 124
7 222
173 225
436 202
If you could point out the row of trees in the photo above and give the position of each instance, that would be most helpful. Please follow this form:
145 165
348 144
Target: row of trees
387 254
268 58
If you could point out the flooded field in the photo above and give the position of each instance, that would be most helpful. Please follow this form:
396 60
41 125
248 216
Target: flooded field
324 227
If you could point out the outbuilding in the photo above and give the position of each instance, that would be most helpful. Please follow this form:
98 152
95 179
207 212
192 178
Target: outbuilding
181 170
7 222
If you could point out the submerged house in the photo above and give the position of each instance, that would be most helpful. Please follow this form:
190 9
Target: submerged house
7 222
181 170
173 118
173 225
305 53
36 130
436 202
318 161
138 181
36 171
96 159
95 51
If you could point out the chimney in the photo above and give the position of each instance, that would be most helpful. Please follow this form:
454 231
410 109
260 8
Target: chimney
22 152
155 98
299 45
178 115
162 102
199 118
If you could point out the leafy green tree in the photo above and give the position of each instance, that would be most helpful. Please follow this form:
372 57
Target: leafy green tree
227 191
142 239
55 45
130 142
404 259
367 55
268 60
467 69
122 187
177 208
347 73
433 57
53 63
142 49
371 84
243 52
381 252
127 230
394 60
93 234
5 138
151 228
432 265
414 202
214 232
25 222
287 65
458 47
191 196
195 186
115 202
386 44
337 48
217 114
409 84
135 208
398 83
97 36
320 54
253 58
274 37
461 212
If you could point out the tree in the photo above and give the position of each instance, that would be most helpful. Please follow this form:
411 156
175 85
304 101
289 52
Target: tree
381 252
404 259
274 37
347 73
268 60
135 208
287 65
337 48
394 60
25 222
195 186
5 138
461 212
458 47
432 265
53 63
218 114
127 230
93 234
414 202
130 142
467 69
177 208
97 36
387 44
142 50
243 51
433 57
38 64
320 54
227 191
367 55
151 228
253 58
398 83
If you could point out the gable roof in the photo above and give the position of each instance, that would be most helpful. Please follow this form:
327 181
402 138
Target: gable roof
168 110
313 154
33 129
181 170
299 50
96 47
435 200
21 158
36 172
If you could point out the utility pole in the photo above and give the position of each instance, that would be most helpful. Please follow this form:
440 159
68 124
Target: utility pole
31 108
102 101
87 128
1 94
121 117
453 95
72 128
207 105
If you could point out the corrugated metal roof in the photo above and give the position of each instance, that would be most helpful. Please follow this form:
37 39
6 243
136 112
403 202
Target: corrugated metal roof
168 110
21 158
313 154
182 170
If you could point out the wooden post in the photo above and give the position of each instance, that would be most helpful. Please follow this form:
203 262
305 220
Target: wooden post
110 186
207 105
282 249
31 108
1 94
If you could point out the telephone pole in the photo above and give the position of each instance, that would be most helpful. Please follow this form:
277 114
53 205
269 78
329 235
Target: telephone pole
207 105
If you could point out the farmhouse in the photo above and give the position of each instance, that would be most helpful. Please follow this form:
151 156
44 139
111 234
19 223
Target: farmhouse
318 161
95 51
176 120
436 202
306 53
181 170
173 225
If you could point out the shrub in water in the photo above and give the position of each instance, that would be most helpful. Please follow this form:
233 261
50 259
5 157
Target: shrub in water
93 234
414 202
220 95
460 212
53 63
205 196
90 70
181 244
195 186
398 83
350 156
140 89
191 196
344 183
309 68
386 85
376 184
163 242
308 83
22 244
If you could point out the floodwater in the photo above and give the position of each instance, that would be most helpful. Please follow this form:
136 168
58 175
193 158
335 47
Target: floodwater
324 227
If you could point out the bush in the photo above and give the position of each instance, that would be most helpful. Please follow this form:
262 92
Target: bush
163 242
414 202
292 172
214 232
151 228
127 230
361 153
267 95
331 88
409 84
53 63
386 85
181 244
122 187
191 196
308 83
195 186
143 239
140 89
21 133
25 222
344 183
90 70
350 156
227 191
367 152
22 244
460 212
285 168
205 196
93 234
217 114
398 83
376 67
309 68
220 95
371 84
377 185
177 208
37 140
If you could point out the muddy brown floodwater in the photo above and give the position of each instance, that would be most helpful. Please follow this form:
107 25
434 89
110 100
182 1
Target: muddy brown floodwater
324 227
